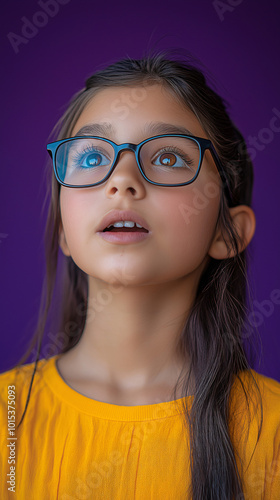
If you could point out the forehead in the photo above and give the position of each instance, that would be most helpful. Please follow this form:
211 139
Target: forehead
128 112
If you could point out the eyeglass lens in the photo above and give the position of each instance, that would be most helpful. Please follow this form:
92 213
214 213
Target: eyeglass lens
166 160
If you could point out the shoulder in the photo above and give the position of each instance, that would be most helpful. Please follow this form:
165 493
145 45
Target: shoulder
257 433
270 401
255 385
255 412
270 385
270 389
255 408
16 382
19 373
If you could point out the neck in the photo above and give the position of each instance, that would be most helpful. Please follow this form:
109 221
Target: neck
131 338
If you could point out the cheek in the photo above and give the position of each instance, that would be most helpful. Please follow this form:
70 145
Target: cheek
73 217
191 221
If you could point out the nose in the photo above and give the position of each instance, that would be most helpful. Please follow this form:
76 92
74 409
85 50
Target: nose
126 177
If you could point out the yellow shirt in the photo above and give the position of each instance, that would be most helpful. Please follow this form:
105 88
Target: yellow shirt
71 447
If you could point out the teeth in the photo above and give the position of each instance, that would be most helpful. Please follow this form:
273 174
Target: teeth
129 223
118 224
126 223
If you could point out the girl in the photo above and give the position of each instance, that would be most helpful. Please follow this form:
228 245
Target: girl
151 395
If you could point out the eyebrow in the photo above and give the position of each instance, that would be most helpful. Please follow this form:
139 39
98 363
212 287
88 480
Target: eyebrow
106 130
165 128
100 129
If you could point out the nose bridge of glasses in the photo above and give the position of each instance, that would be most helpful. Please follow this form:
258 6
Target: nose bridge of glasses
123 148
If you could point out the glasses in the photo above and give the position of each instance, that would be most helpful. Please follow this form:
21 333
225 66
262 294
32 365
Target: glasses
167 160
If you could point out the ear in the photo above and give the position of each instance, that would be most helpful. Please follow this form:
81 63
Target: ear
62 241
244 221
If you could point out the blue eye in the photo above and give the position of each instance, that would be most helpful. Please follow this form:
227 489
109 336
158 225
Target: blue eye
93 160
90 158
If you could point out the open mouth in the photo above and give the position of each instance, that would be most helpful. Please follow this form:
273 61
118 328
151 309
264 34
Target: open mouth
125 229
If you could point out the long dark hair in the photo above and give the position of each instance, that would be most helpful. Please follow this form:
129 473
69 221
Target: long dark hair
213 333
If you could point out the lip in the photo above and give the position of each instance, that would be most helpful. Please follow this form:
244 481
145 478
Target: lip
122 215
123 237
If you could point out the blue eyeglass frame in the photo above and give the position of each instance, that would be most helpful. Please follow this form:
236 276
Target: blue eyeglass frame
203 145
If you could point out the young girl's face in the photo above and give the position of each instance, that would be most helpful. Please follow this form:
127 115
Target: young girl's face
181 220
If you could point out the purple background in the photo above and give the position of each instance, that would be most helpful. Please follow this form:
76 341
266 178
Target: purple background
238 46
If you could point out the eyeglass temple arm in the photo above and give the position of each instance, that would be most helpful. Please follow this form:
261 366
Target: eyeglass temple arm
223 175
50 150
